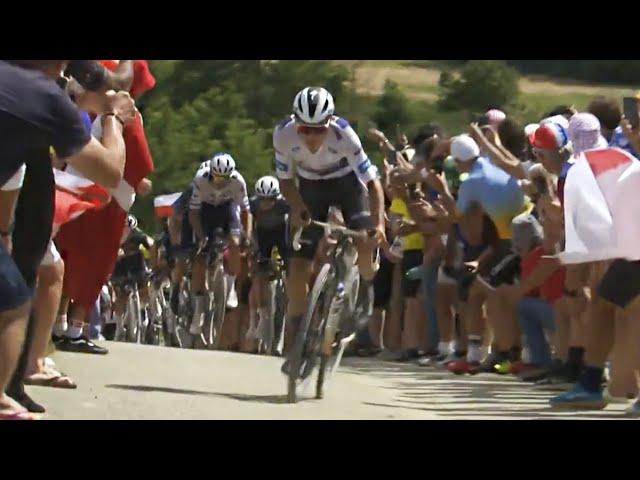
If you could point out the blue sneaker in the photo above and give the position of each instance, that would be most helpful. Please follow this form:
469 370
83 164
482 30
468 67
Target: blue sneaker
579 399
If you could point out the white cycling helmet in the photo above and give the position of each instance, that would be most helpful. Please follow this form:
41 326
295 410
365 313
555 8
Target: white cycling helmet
222 164
268 187
313 106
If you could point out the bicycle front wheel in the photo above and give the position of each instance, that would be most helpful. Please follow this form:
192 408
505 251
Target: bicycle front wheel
310 332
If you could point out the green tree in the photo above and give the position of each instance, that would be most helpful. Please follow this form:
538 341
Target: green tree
392 108
482 84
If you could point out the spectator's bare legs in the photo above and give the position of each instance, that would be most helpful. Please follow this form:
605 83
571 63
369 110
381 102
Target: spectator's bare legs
411 333
392 334
446 298
601 325
562 320
61 324
623 366
376 327
474 321
47 299
12 330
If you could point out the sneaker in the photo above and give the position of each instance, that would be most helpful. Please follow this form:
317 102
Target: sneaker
232 297
462 366
408 355
488 365
452 357
503 368
81 345
579 399
432 361
559 380
634 409
56 339
387 355
532 373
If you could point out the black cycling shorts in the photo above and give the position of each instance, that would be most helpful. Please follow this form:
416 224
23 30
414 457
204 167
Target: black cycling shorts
346 193
187 238
222 216
266 239
131 265
411 259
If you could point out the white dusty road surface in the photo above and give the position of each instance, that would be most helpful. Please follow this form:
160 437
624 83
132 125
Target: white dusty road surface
144 382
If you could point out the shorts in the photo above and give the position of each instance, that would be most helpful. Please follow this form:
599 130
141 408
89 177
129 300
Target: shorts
410 259
224 217
503 250
13 288
51 256
346 193
383 283
266 239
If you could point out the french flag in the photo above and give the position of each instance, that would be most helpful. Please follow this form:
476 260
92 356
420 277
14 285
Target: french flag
163 204
601 205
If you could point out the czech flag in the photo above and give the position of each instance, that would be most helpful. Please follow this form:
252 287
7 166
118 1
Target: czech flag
163 204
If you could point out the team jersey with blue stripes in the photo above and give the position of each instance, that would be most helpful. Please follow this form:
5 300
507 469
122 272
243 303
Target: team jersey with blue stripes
341 153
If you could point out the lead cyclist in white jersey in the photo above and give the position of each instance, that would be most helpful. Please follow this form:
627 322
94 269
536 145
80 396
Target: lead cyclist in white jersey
332 169
219 200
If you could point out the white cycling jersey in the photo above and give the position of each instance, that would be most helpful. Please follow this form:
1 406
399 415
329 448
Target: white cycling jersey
204 191
340 154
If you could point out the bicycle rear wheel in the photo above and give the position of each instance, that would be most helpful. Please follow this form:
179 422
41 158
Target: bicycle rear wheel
305 347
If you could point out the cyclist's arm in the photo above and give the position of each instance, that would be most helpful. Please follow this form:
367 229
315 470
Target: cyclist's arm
242 200
366 172
175 227
195 205
284 172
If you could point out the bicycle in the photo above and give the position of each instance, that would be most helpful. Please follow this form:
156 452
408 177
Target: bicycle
129 272
270 331
328 325
214 313
162 318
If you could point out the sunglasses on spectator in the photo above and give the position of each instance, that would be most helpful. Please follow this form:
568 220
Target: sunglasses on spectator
307 130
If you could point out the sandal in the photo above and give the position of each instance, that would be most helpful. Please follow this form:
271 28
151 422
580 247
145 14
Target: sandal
50 378
18 416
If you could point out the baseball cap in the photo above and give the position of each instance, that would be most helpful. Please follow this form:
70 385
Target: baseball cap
559 119
549 136
464 148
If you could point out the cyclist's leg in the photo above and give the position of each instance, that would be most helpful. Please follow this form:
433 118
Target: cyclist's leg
354 203
317 199
199 271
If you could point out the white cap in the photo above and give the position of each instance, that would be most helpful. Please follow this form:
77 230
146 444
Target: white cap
464 148
559 119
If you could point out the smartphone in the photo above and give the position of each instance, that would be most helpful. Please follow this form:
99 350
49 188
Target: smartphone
621 283
630 106
391 158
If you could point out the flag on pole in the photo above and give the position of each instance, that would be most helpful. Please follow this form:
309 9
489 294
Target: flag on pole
163 204
601 205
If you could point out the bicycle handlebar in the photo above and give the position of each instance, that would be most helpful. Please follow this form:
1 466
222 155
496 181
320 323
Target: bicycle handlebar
330 228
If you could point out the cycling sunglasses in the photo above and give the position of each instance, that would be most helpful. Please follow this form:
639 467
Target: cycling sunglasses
307 130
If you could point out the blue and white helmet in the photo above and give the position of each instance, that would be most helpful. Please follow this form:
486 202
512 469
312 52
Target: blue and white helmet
222 165
268 187
313 106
